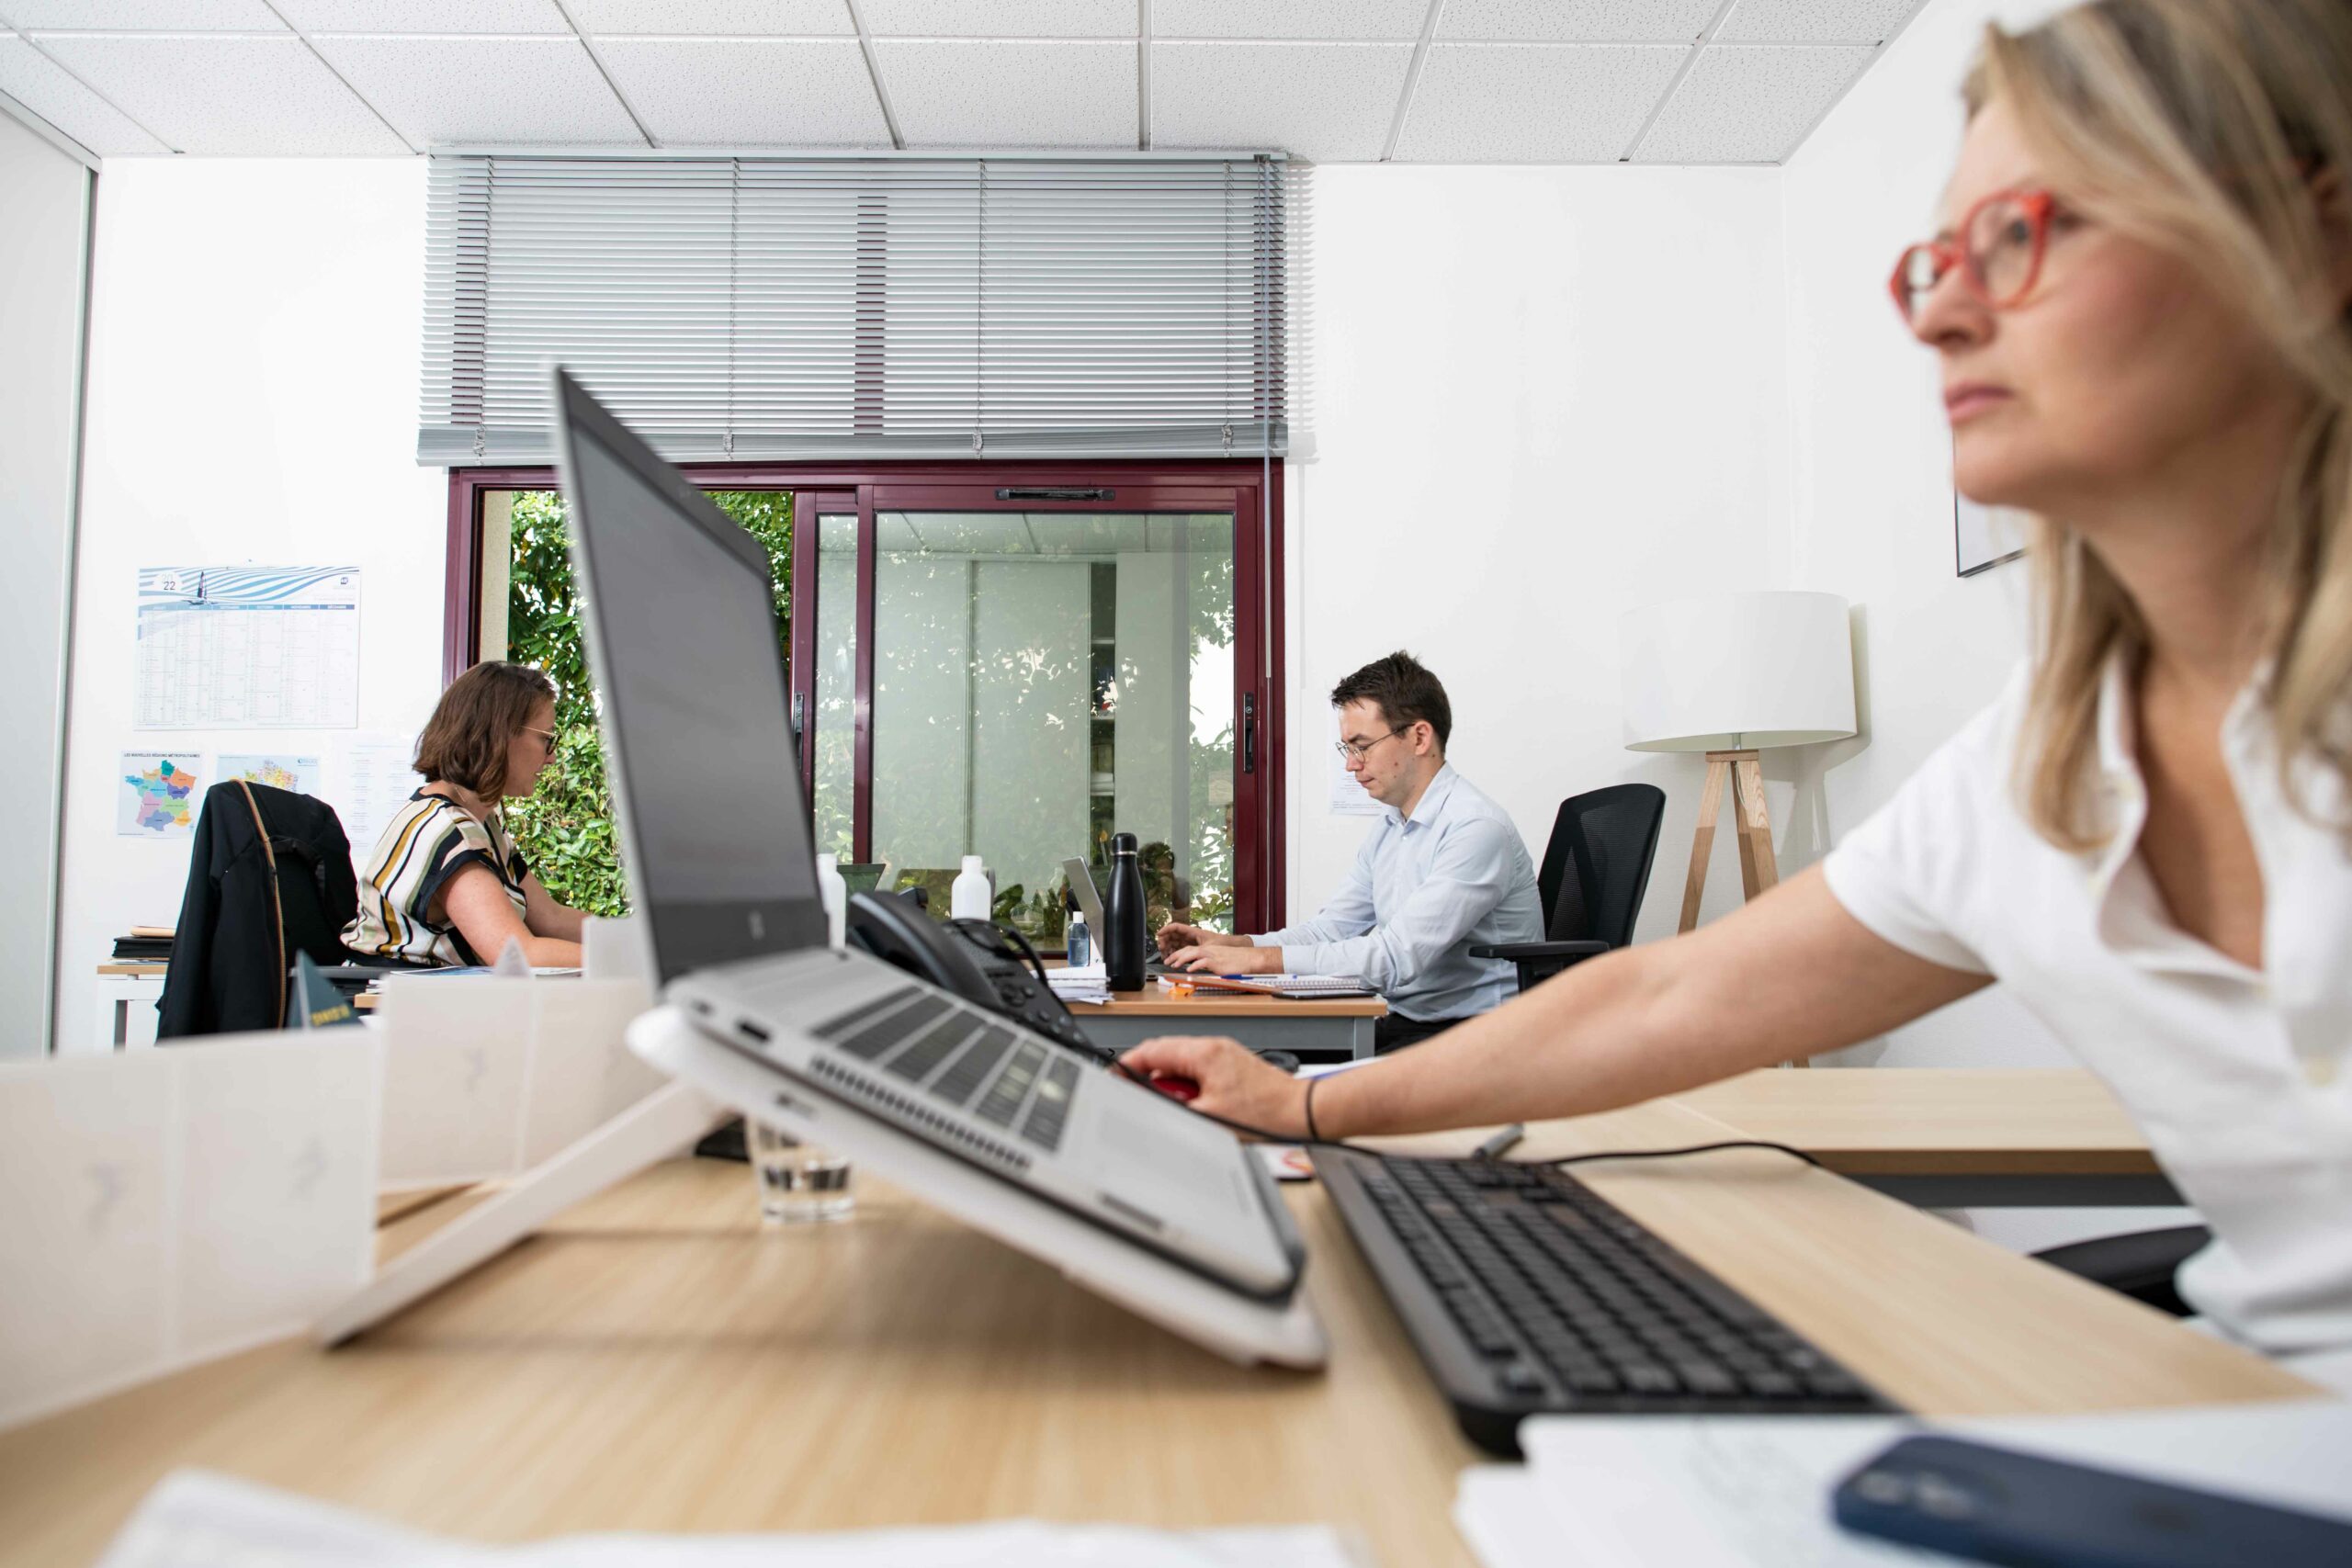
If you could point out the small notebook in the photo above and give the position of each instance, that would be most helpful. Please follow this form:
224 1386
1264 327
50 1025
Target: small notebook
1307 986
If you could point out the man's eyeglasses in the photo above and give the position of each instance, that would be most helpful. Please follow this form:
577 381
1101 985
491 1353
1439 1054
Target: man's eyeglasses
1997 248
546 737
1350 752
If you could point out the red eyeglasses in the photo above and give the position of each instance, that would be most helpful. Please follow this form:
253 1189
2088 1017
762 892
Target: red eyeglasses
1997 248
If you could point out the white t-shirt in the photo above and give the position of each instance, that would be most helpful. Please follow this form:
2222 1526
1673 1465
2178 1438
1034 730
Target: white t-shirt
2237 1077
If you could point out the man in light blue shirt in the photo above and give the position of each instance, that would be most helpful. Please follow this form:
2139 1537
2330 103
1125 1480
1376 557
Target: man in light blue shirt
1443 871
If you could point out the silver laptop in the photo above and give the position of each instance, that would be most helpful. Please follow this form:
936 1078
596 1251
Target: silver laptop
681 635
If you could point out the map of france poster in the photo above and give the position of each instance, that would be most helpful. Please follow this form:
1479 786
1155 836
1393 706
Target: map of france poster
300 774
156 795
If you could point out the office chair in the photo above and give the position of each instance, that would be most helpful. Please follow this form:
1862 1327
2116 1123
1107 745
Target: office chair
1596 868
2139 1264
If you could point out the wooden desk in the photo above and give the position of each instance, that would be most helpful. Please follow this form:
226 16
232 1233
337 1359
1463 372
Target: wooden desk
1951 1138
654 1361
1314 1030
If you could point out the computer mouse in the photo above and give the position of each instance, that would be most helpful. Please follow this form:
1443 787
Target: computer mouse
1176 1087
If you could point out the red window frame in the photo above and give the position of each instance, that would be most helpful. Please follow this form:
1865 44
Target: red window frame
1239 486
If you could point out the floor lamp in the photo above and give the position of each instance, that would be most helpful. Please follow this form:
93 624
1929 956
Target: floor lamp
1729 674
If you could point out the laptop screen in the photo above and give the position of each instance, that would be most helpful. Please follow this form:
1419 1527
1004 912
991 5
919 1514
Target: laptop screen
680 625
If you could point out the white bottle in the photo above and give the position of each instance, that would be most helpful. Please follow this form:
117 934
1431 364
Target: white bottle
970 898
835 893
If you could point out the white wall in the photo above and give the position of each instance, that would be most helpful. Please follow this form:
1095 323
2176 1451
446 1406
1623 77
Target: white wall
1542 396
252 398
1870 492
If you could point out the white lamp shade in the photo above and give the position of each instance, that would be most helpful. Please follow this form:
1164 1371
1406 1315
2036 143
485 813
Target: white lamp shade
1734 671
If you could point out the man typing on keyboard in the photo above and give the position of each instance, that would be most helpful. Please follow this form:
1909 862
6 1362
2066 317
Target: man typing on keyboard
1443 871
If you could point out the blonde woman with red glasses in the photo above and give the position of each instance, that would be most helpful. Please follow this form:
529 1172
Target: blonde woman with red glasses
2141 304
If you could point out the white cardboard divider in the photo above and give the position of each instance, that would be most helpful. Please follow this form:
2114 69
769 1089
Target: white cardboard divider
161 1208
486 1077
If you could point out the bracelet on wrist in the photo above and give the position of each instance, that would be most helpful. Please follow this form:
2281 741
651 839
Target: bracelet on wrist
1312 1135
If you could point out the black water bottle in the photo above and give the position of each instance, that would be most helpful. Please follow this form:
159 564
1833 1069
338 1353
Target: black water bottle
1123 936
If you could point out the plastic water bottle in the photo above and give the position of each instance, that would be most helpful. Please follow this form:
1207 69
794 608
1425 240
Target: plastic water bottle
1081 941
969 898
835 894
1123 938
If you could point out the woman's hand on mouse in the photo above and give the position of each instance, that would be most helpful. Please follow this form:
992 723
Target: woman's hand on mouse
1234 1083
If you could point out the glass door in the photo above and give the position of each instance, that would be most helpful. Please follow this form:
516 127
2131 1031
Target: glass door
1021 678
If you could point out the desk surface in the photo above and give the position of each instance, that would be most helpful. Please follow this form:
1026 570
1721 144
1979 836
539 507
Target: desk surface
1156 1000
1929 1122
654 1361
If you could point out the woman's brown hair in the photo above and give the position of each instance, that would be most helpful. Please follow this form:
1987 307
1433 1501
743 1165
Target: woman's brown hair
484 709
2219 131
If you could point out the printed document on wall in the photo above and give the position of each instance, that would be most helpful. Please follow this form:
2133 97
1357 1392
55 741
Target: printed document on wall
372 780
248 648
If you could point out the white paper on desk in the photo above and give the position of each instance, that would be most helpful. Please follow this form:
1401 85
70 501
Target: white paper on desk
197 1520
159 1208
486 1076
580 1073
456 1057
1753 1492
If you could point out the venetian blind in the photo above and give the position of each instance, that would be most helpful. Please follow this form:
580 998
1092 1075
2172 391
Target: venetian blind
756 308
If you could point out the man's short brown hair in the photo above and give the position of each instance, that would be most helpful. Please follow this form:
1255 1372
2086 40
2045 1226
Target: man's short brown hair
1405 693
484 709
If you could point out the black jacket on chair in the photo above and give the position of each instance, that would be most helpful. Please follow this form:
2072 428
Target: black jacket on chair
269 876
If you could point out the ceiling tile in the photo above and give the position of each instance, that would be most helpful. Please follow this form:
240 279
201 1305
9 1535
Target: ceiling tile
145 16
1576 21
1331 102
1749 103
749 92
425 16
266 97
49 91
1001 18
438 91
992 93
1535 103
1816 21
1343 19
717 18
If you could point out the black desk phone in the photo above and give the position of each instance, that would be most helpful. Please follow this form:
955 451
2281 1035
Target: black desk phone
985 964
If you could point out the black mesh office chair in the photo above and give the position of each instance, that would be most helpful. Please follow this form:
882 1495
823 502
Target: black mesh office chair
1595 870
2140 1264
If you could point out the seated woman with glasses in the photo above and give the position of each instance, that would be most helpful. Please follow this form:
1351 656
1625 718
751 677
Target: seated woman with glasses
2140 302
446 883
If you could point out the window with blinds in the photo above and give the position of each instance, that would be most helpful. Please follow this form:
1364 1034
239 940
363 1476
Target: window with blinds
752 308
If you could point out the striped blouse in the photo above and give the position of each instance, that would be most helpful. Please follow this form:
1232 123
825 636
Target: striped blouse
427 842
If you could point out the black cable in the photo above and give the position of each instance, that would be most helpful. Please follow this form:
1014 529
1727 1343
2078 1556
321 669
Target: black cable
1263 1135
1670 1153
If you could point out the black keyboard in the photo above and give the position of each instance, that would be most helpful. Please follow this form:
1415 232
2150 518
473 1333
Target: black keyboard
1527 1293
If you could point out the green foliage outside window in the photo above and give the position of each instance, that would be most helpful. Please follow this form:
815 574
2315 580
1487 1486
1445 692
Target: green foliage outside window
565 828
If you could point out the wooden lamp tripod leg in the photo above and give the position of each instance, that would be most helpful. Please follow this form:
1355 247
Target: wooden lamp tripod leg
1711 805
1760 868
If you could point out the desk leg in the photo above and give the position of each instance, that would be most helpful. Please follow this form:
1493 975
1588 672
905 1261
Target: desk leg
121 1022
1360 1038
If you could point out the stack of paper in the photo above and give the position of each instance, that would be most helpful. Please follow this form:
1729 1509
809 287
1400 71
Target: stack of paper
195 1520
1753 1491
1087 985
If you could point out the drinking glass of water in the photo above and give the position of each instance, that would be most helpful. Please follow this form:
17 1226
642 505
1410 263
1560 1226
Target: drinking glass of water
799 1183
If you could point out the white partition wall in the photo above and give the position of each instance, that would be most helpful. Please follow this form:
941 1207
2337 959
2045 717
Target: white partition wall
251 401
45 196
